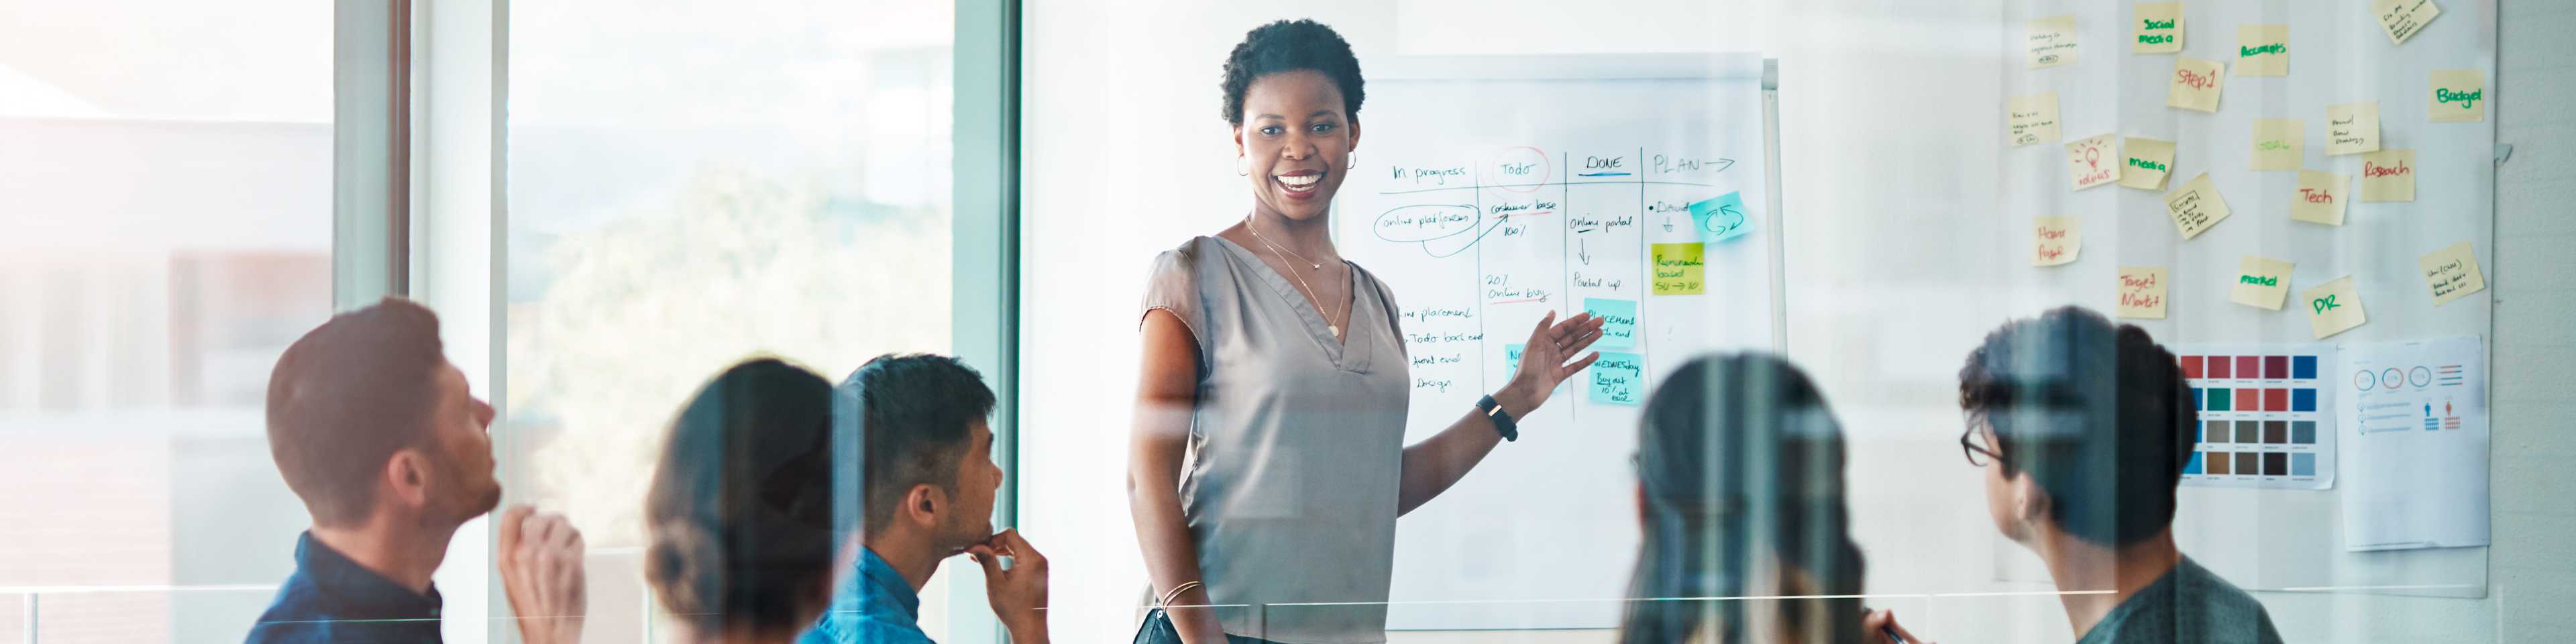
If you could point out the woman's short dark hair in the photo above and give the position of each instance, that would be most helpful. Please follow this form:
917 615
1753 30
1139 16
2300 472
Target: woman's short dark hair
1739 457
1288 46
748 507
2095 412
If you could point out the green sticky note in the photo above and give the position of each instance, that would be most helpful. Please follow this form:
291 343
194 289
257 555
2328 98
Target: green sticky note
1619 379
1619 326
1721 219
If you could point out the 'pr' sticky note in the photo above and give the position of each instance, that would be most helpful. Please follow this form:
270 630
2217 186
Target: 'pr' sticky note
2146 162
2261 282
2452 272
2333 307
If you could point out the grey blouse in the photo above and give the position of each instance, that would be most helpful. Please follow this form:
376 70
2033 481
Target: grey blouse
1296 445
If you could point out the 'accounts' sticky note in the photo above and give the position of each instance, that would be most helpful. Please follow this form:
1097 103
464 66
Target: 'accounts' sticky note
2196 206
2352 128
1679 269
2031 119
2196 84
2147 162
2403 18
2279 144
2388 175
2055 240
2261 282
2142 292
1618 321
2157 28
1721 218
2333 307
2093 161
2320 198
2452 272
1618 378
2263 50
2051 41
2457 96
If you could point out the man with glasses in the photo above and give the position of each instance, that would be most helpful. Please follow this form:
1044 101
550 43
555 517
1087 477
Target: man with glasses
2083 427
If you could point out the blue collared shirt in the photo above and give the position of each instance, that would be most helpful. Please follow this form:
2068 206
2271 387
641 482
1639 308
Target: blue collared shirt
331 599
876 606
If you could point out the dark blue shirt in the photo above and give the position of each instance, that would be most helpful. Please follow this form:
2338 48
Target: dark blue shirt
876 606
335 600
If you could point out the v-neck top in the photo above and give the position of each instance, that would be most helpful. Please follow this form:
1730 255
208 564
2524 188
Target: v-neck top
1296 445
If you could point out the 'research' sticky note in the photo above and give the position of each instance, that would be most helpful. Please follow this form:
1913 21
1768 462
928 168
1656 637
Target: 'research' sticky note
2352 128
2055 241
2403 18
2320 198
2146 163
2051 41
2142 292
2196 206
2388 175
2263 50
1618 321
2279 144
2196 84
1721 218
1618 378
2457 96
2333 307
2031 120
1680 269
2093 161
2261 282
2157 28
2452 272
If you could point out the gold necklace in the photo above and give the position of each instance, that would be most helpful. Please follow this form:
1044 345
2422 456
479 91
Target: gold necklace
1274 248
1312 299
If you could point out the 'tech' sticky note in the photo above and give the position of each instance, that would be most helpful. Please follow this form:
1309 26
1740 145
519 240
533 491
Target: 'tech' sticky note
2196 84
2142 292
1618 321
1618 378
2279 144
2263 50
2403 18
2320 198
2352 128
2333 307
1680 269
2157 28
2196 206
2457 96
2055 241
2051 41
2147 162
1721 218
2261 282
2093 161
2031 119
2388 175
2452 272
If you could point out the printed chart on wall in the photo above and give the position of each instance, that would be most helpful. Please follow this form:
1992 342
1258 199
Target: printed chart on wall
1492 191
2265 415
2418 418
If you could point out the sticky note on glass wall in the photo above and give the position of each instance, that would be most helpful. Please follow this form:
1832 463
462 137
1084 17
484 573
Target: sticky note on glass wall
2261 282
2142 292
2452 272
2055 241
2196 206
2403 18
1679 269
2051 41
2263 50
1512 358
2157 28
2333 307
2352 128
2093 161
2458 96
2030 120
2388 175
1618 321
2279 144
1721 218
2320 198
1618 378
2196 84
2146 162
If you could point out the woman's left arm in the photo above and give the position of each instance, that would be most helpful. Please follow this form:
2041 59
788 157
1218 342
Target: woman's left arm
1436 463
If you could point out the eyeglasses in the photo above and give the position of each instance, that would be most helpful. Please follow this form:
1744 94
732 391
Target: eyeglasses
1973 444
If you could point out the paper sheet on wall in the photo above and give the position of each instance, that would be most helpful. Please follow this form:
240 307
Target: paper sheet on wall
2416 420
2266 415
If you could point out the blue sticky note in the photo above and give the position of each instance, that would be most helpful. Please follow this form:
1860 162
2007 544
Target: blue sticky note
1619 379
1512 358
1619 328
1722 218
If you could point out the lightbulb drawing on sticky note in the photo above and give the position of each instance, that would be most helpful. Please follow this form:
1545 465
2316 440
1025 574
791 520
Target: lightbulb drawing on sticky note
2093 161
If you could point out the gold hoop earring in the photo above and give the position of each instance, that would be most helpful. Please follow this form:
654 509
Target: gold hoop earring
1242 166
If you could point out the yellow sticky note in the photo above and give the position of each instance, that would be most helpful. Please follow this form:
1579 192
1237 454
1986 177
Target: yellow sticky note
2261 282
2403 18
2157 28
2196 84
2196 206
2031 119
2263 50
2056 241
2093 161
2052 41
2457 96
2142 292
2352 128
2452 272
2146 163
2279 144
1680 269
2388 175
2333 307
2320 198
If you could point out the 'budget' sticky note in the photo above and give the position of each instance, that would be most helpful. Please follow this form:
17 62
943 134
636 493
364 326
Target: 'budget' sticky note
2052 41
1679 269
2352 128
2056 241
2093 161
2157 28
2457 96
2261 282
2263 50
2452 272
2147 162
2196 84
1618 378
1618 321
2320 198
2333 307
2388 175
2142 292
2031 119
2196 206
2403 18
2279 144
1721 218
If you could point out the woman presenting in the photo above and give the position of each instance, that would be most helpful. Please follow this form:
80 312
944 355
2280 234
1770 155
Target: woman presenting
1268 466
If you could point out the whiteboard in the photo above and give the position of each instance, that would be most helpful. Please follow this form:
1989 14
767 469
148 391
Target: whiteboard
1490 191
2265 539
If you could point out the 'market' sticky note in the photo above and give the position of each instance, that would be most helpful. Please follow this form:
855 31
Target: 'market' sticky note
2196 206
2320 198
2263 50
2142 292
2457 96
2261 282
2452 272
1618 321
2093 161
1721 218
2196 84
2279 144
2052 41
2388 175
2030 120
2056 241
2352 128
1679 269
2333 307
2403 18
2147 162
2157 28
1618 378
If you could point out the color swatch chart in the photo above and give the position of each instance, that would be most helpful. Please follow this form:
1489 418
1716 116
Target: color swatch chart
2265 420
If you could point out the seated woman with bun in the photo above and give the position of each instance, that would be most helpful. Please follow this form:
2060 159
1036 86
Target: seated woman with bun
745 524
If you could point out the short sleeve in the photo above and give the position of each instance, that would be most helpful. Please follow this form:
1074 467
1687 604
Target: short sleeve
1172 285
1386 297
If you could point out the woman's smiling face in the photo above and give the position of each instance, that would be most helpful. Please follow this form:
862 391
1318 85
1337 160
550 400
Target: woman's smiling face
1297 142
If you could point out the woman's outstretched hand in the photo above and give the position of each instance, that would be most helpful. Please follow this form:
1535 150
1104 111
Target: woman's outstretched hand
1548 359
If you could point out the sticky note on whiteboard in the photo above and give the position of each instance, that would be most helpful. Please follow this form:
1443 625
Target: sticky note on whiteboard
2403 18
2333 307
2052 41
2261 282
2452 272
2031 120
2388 175
2055 241
2196 84
2279 144
1721 218
1618 378
2158 28
2263 50
2457 96
2352 128
1619 321
2093 161
2320 198
1680 269
2142 292
2196 206
2146 162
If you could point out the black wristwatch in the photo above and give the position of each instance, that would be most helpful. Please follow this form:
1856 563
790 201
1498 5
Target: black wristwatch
1503 424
